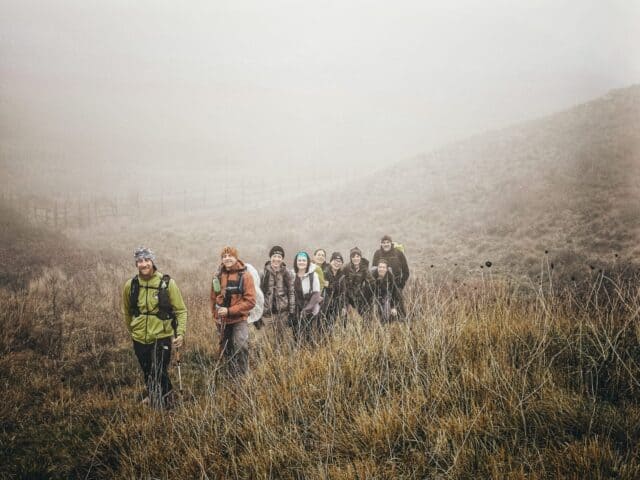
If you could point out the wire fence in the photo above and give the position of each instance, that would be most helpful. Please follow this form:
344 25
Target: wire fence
81 210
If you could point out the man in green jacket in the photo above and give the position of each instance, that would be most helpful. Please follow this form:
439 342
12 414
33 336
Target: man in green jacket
156 318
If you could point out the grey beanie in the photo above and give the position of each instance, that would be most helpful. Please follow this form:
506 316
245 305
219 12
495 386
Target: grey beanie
144 252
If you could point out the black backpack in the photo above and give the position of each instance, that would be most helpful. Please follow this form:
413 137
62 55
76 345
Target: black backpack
165 310
233 287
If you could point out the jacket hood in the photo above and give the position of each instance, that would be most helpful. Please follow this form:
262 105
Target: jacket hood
239 265
154 275
310 272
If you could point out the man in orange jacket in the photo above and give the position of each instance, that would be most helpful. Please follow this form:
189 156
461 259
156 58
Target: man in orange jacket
233 295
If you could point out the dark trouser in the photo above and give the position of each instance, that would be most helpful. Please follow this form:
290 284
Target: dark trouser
331 313
305 327
362 307
154 360
234 345
383 308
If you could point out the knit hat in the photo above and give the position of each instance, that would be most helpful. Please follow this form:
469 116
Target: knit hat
355 251
229 251
276 249
336 256
386 238
141 253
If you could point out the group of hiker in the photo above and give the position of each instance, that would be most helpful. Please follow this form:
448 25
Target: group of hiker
303 303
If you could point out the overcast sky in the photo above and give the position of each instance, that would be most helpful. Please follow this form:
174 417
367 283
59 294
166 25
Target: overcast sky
320 85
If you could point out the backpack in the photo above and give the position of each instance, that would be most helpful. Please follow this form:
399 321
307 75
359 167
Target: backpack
165 310
256 312
399 247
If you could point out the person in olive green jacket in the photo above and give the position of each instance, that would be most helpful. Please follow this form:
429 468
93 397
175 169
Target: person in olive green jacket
320 261
157 321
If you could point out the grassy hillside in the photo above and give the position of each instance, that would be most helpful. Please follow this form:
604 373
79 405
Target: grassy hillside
568 183
491 376
485 379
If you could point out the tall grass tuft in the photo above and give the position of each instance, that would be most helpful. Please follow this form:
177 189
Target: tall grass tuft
482 380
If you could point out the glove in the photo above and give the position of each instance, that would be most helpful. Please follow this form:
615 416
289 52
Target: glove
258 324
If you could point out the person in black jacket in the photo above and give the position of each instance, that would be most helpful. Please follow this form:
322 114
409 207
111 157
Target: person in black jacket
395 259
387 298
307 300
335 292
359 282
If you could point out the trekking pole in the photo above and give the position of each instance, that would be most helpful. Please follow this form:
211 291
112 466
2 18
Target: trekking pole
175 335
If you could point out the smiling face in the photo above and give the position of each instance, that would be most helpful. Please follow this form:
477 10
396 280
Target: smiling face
320 257
382 269
355 259
301 263
386 245
145 267
276 261
229 261
336 264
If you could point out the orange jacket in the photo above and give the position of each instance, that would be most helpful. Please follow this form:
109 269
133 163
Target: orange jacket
239 305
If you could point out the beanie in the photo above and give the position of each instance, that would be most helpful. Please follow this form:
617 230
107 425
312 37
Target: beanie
276 249
336 256
355 251
229 251
386 238
142 253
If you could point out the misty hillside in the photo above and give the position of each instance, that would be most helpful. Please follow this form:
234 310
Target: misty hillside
568 183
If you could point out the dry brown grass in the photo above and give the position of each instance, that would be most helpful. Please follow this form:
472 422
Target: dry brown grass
485 379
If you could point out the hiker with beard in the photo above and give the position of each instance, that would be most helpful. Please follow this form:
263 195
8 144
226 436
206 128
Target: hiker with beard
232 297
387 298
395 259
307 295
335 302
154 312
358 282
277 284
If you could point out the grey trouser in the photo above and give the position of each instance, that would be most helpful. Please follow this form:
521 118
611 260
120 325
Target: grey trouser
234 345
276 326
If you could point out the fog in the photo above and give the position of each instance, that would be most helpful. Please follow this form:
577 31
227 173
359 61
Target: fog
94 94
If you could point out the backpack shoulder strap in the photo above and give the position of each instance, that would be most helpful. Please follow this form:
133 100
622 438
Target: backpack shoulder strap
134 292
241 280
286 278
264 284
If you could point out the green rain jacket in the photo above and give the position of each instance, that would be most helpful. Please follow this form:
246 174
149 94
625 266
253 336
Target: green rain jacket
147 327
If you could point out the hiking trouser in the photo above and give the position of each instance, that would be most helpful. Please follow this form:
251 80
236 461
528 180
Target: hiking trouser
154 361
233 342
332 313
383 307
305 327
362 307
276 327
